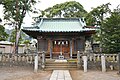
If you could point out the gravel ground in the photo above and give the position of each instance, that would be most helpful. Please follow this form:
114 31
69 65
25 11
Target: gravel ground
94 75
23 73
26 73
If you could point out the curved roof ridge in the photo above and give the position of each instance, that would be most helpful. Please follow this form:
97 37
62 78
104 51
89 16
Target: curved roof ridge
74 18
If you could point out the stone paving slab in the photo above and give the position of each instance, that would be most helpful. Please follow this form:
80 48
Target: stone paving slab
61 60
60 75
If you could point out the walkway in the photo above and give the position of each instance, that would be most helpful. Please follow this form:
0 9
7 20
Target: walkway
60 75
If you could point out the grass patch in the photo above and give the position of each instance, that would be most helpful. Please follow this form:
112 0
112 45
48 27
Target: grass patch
72 60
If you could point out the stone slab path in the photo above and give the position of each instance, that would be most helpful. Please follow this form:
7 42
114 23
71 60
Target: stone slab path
60 75
60 60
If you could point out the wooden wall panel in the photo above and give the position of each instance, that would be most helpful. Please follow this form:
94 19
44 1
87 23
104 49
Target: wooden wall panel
42 45
79 44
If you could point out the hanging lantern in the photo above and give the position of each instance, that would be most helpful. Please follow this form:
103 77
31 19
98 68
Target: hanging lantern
54 42
62 43
66 42
59 43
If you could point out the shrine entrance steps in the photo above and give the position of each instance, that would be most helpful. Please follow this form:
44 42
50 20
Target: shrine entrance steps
60 65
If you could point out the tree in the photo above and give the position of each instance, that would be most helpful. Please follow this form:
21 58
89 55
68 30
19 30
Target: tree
96 18
27 44
67 9
13 37
98 14
111 32
3 34
14 13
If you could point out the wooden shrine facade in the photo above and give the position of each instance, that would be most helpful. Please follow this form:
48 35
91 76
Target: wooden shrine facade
65 45
60 36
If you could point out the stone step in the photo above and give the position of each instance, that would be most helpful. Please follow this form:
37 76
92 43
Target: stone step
56 62
61 66
61 62
60 69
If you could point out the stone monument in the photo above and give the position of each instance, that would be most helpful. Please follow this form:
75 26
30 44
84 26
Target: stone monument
88 48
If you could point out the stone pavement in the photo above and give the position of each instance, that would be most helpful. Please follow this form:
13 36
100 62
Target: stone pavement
60 75
62 60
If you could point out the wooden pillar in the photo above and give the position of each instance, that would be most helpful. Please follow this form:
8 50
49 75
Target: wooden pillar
75 46
51 46
83 43
70 48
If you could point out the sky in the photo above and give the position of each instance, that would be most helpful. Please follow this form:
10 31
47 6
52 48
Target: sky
87 4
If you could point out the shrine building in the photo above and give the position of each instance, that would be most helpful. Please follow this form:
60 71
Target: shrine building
60 36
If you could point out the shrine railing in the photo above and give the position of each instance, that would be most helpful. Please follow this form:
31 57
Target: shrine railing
94 61
7 59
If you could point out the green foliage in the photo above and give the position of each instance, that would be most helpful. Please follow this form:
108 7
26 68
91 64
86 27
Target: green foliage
26 42
3 34
98 14
15 10
13 36
96 18
67 9
14 13
111 33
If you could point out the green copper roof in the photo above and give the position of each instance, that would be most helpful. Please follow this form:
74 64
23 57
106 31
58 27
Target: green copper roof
59 25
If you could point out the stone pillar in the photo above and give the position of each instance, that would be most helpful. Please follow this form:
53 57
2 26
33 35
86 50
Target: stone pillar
0 57
113 58
85 63
78 59
91 57
103 64
43 60
36 63
70 48
119 63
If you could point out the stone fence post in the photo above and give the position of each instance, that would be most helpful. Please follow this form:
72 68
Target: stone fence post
43 60
0 57
85 63
36 63
119 63
103 63
78 59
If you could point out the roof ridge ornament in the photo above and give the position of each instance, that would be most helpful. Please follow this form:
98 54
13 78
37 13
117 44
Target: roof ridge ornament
40 23
82 21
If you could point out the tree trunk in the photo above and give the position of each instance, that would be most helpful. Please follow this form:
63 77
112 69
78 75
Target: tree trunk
17 40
